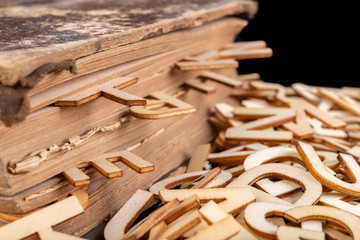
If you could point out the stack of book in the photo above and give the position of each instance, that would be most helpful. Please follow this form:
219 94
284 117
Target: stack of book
96 90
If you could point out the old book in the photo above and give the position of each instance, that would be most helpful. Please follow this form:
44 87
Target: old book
61 36
71 122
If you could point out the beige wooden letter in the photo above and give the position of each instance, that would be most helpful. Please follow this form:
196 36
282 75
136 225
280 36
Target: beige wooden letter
41 221
232 199
176 107
109 89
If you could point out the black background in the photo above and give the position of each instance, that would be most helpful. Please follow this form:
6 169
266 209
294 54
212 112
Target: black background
314 43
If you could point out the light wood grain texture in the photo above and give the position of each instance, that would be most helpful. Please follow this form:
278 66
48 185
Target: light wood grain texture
353 92
206 65
306 92
122 220
312 111
340 201
248 77
218 123
200 86
156 231
354 151
255 103
256 213
178 228
322 174
42 221
235 83
269 117
335 144
76 177
255 146
207 178
82 196
273 154
246 45
279 154
344 102
107 89
312 225
209 55
234 199
335 234
249 93
106 168
176 107
201 226
223 229
325 105
261 85
48 234
236 171
326 132
241 219
241 54
301 127
131 160
225 111
293 233
167 183
213 214
142 228
229 158
182 208
312 188
279 188
350 222
258 135
198 158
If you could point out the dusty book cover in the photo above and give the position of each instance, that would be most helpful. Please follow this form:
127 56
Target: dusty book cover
45 36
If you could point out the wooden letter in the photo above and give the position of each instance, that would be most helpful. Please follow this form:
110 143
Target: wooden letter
257 135
323 174
109 89
346 220
198 158
223 178
223 229
256 213
176 107
294 233
338 200
122 220
200 86
205 65
234 198
245 54
41 221
221 79
76 177
312 188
